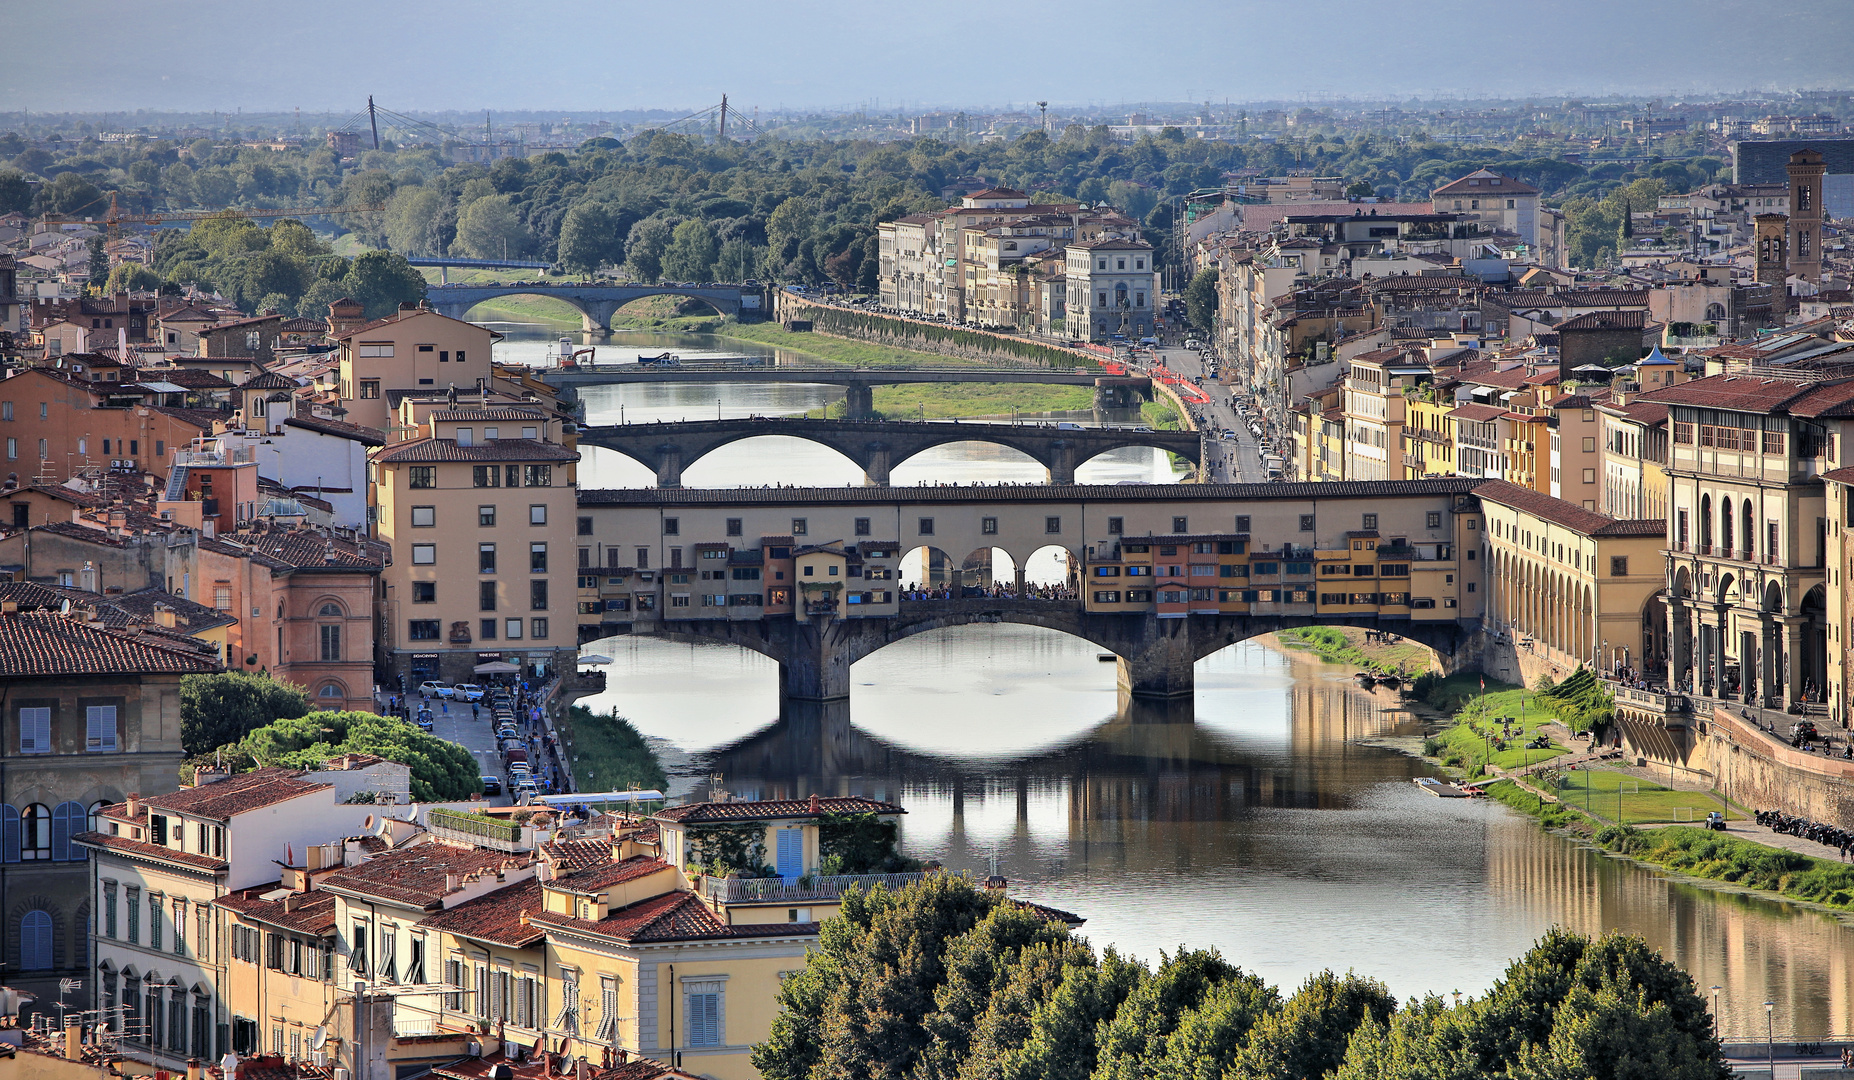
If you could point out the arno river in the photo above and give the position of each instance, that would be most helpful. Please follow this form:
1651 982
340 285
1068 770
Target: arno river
1268 819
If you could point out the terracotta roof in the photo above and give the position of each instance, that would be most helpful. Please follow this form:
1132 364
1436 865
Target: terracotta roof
192 380
1570 298
1476 412
270 380
598 878
1648 413
1840 476
420 451
419 876
357 432
494 412
1739 393
1507 185
397 316
674 916
570 855
314 912
495 918
223 798
297 548
45 643
768 809
1569 515
964 495
1634 319
122 845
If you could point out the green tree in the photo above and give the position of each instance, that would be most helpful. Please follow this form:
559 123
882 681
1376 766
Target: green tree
70 195
224 708
644 248
1134 1041
15 193
412 219
978 964
999 1036
1209 1037
1063 1043
99 262
1309 1034
589 238
1200 299
382 280
490 229
691 253
440 770
131 277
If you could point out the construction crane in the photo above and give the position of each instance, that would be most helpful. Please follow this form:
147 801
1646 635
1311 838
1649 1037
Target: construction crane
115 219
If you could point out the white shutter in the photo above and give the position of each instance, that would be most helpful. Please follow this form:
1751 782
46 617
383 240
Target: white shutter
35 731
100 729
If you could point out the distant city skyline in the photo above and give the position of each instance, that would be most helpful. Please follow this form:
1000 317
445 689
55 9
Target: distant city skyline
579 56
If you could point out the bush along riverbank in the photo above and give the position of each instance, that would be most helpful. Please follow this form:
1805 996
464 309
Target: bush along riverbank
1714 856
608 753
1350 646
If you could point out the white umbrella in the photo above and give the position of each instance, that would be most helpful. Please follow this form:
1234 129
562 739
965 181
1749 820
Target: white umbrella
595 658
497 667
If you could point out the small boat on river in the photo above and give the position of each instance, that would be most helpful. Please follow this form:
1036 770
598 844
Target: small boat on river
1439 789
1365 679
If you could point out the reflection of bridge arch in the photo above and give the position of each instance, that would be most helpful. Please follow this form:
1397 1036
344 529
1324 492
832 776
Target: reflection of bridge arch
595 303
878 446
1156 656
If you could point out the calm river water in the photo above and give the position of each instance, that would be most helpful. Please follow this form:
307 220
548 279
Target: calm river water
1268 819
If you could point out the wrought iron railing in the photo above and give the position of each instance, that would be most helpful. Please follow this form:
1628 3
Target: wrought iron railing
778 890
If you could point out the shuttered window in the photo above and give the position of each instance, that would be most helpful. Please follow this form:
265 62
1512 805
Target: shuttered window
100 729
35 731
704 1012
35 941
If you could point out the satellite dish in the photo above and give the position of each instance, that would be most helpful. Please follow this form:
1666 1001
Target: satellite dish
319 1039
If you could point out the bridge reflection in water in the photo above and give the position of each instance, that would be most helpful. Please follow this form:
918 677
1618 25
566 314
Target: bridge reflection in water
1255 821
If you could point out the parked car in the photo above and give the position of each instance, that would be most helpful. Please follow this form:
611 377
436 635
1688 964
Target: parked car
424 719
1804 729
1715 821
506 731
492 785
464 691
433 688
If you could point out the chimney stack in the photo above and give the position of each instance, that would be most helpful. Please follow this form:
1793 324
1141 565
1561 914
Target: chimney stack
194 1071
815 806
134 804
74 1042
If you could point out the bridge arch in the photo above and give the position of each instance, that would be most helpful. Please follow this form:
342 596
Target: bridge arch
463 312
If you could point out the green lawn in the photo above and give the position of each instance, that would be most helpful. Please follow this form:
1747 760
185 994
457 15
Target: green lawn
1597 790
1476 741
835 350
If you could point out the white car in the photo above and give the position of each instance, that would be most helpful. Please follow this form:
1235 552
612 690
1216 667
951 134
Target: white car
432 688
464 691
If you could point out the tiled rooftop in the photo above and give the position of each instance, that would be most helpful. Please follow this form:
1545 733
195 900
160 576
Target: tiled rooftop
674 916
45 643
496 918
763 810
418 876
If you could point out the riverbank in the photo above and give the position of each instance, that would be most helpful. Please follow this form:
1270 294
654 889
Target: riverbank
1350 645
608 753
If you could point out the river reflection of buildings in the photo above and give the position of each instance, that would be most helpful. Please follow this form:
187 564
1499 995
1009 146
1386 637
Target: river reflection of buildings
1756 950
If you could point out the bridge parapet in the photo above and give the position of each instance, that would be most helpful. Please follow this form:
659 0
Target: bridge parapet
1651 706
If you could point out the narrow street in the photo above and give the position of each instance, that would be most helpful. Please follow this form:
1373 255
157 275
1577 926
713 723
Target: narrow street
1235 460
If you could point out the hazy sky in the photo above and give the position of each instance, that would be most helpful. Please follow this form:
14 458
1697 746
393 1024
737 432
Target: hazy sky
621 54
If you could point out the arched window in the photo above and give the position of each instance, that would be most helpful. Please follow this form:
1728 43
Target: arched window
331 609
332 690
1725 525
1715 312
35 832
1705 522
68 819
35 941
96 814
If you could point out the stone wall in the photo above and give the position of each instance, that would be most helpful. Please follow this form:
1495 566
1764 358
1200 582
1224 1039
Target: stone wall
943 339
1754 768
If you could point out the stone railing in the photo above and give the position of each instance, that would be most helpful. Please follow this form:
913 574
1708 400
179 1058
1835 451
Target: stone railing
1654 701
805 889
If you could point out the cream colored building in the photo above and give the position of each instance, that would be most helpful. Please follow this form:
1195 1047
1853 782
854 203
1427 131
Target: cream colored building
1571 586
413 352
480 509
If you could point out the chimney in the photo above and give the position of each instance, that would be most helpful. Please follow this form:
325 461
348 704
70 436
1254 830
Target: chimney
194 1072
133 804
74 1042
87 577
815 806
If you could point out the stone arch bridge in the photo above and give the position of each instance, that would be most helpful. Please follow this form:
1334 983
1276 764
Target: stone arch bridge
1155 657
596 303
877 446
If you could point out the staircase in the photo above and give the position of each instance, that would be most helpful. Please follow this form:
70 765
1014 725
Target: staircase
176 484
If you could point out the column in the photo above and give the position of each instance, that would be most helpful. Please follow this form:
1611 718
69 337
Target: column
1678 646
1061 462
1770 647
1721 650
669 466
876 468
1794 643
859 402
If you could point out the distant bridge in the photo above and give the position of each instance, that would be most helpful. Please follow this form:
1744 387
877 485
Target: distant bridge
877 446
596 303
1110 391
445 266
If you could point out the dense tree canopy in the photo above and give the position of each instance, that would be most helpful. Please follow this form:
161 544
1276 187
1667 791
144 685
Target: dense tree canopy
946 981
285 265
440 770
224 708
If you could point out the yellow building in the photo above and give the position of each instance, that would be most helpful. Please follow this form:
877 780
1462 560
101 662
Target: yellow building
413 351
1634 453
477 508
1428 435
1572 586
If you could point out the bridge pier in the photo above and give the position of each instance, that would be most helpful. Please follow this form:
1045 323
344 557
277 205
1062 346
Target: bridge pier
1159 661
669 466
877 465
595 316
815 667
859 402
1061 462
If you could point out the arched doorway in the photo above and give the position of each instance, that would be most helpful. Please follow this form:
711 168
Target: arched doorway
1052 570
987 569
928 567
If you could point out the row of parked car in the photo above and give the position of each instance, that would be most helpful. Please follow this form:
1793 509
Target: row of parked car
462 691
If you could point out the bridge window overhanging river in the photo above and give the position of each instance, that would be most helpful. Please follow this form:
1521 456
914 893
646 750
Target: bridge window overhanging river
1272 816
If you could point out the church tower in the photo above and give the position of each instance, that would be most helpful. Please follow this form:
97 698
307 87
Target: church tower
1806 170
1773 264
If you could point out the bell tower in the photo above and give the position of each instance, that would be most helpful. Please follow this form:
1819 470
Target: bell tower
1806 170
1773 264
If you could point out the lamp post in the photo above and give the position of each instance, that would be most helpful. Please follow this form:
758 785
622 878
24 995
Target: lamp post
1770 1035
1715 1010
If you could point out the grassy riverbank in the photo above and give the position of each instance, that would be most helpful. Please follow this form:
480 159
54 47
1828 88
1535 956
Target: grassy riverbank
607 753
1348 645
944 400
835 350
1717 857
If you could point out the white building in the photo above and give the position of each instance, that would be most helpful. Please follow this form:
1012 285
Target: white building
1504 203
1113 289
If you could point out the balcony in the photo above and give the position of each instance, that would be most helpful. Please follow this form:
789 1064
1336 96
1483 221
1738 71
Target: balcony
805 889
1667 709
479 831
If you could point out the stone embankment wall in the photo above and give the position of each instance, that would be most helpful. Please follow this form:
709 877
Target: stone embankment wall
1763 772
920 336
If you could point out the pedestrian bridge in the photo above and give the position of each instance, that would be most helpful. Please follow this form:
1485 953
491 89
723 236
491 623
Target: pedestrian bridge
1110 391
596 303
1400 556
877 446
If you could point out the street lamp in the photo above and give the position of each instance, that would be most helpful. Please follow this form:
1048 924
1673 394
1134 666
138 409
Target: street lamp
1770 1035
1715 1010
